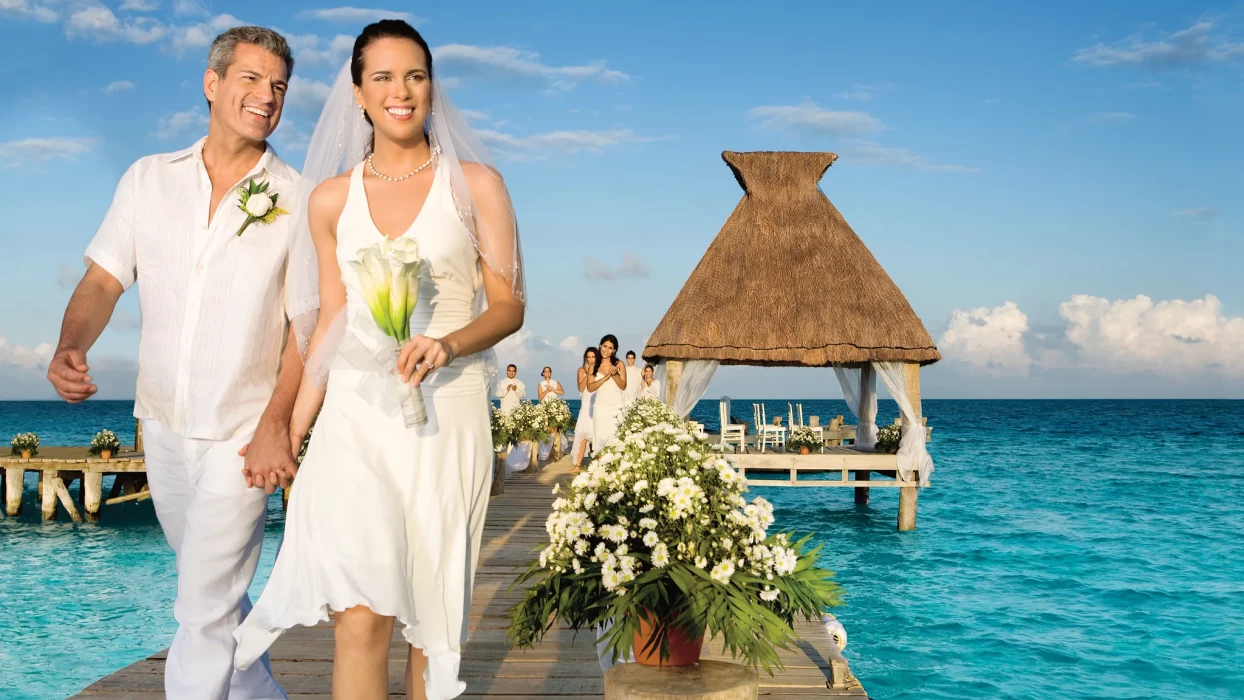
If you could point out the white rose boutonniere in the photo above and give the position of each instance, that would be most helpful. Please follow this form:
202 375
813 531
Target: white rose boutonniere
258 204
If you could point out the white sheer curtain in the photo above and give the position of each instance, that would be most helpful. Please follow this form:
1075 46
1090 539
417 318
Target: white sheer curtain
913 454
696 376
853 381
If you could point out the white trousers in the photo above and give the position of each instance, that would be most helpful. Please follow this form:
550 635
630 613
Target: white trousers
214 524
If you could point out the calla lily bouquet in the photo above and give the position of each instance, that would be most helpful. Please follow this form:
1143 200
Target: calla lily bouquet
389 274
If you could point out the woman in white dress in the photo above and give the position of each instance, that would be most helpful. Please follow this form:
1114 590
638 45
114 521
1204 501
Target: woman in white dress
583 425
549 386
385 524
609 385
648 385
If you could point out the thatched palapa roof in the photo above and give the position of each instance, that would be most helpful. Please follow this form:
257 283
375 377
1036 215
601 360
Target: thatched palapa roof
787 282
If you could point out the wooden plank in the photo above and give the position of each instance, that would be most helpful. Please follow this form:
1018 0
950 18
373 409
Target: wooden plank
62 494
564 665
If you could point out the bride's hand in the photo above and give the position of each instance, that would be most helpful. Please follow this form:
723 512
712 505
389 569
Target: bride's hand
420 356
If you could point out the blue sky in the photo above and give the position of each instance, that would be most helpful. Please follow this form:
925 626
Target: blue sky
1055 187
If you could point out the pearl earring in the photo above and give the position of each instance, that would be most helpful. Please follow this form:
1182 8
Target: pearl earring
363 111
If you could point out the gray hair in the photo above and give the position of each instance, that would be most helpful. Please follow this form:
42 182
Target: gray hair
220 56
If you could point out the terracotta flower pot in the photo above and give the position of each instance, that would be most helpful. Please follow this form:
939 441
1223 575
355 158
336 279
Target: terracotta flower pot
25 454
804 449
684 650
105 454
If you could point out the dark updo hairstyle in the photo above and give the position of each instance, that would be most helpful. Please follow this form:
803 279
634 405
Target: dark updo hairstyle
384 29
611 338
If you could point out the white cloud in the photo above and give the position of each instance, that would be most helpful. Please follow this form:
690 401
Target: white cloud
124 320
18 356
290 137
574 141
475 115
201 35
991 339
189 7
67 276
509 63
1167 337
631 268
357 15
1186 47
139 6
118 86
869 153
174 124
98 23
311 50
570 343
1199 213
25 10
25 151
809 117
307 95
864 93
522 348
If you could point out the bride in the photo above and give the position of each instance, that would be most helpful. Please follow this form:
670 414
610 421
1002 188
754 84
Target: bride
385 524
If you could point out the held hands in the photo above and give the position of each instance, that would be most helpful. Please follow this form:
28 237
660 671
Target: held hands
68 373
270 457
420 357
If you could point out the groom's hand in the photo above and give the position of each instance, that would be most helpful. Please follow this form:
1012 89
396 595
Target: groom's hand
269 463
68 373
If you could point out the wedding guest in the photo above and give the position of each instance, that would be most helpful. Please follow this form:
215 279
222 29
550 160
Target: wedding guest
550 386
609 385
511 390
648 384
583 425
633 376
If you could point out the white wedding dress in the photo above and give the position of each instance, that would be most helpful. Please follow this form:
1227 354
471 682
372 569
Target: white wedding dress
606 412
382 515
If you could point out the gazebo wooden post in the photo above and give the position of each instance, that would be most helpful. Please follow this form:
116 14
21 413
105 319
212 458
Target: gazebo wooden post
861 492
673 375
908 495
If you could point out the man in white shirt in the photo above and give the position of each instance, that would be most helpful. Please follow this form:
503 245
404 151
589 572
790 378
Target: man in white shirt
217 372
633 375
511 390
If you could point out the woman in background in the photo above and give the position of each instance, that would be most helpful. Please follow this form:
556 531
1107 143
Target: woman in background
609 385
549 387
648 385
583 426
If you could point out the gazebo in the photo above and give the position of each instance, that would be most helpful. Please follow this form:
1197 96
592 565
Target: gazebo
788 283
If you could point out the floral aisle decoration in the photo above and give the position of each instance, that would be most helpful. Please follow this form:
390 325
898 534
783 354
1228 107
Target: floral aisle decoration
888 439
105 444
657 534
26 445
557 414
645 412
804 440
502 430
529 423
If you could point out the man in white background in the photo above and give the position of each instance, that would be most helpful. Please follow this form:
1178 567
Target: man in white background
217 370
633 377
511 390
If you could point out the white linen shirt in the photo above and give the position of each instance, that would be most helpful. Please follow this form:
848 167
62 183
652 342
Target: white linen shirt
212 303
510 399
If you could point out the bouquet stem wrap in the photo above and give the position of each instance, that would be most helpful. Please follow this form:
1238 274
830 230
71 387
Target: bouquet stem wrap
382 385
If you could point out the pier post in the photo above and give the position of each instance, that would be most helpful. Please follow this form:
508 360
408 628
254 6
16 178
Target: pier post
48 494
92 491
908 495
861 492
15 484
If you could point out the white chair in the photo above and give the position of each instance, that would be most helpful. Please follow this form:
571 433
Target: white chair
730 433
766 434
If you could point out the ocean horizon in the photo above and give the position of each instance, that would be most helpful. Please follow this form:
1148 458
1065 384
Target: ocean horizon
1066 548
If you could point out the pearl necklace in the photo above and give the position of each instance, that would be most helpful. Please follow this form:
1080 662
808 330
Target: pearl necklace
382 176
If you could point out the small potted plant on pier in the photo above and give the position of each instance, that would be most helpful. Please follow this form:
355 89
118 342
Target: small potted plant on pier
25 445
656 543
105 444
888 439
804 440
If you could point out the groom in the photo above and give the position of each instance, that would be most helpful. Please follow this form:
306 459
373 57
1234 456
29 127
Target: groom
217 372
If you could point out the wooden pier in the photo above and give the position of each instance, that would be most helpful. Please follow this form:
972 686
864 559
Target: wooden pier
563 666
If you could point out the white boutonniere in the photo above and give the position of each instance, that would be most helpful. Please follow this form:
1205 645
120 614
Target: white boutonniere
258 204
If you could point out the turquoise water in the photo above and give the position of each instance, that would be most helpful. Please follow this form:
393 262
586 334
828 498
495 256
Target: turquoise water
1067 549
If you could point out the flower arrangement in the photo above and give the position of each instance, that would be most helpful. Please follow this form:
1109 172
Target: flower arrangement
804 437
389 274
105 441
645 412
529 423
888 438
25 442
557 414
657 531
502 430
258 204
